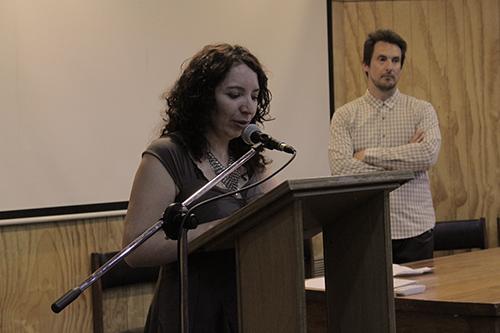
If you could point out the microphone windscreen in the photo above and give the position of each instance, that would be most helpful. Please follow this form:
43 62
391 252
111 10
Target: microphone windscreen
248 132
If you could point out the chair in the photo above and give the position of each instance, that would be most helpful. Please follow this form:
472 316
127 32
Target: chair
121 275
460 234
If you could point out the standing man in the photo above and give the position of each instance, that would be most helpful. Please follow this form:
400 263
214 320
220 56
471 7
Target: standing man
387 130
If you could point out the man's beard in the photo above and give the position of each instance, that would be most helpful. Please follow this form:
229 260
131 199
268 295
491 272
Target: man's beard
387 86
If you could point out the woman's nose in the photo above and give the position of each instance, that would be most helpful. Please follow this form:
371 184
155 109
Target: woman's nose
248 105
245 109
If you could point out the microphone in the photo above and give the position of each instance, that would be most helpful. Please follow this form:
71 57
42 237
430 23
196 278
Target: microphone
252 135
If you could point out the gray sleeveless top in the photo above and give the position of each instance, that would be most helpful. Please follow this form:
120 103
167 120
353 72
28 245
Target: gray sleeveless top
212 279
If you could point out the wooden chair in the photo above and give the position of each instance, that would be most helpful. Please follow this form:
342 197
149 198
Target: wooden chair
121 275
460 234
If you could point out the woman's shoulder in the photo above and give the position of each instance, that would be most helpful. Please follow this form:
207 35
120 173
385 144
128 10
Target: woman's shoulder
167 144
168 147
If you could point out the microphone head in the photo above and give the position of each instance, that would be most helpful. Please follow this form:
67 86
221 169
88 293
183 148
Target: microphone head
248 132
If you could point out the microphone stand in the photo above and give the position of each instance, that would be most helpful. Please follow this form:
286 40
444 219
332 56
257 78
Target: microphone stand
173 213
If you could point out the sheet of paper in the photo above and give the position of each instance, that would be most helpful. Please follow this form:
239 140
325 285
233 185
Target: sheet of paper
410 289
318 283
402 282
399 270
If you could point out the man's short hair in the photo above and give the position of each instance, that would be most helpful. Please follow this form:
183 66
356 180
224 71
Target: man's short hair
382 35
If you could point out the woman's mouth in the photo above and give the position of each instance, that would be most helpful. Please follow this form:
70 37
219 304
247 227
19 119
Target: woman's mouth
241 123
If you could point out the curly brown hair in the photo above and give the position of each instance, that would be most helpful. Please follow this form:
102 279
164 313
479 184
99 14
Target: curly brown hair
192 99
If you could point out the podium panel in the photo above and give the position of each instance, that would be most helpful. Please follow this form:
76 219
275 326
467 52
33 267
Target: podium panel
271 274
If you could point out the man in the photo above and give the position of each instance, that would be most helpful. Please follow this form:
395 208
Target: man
386 130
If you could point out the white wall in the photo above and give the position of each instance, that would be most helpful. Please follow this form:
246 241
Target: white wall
80 83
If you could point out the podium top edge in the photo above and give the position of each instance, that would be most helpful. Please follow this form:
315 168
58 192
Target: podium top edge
399 177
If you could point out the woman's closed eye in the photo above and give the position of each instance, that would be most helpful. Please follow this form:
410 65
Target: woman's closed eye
234 95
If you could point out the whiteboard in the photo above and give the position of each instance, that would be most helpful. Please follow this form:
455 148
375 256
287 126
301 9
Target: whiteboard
81 80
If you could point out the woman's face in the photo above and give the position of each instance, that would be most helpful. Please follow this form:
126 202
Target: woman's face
235 102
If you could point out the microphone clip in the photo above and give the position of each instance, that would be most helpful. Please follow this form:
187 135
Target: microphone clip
175 218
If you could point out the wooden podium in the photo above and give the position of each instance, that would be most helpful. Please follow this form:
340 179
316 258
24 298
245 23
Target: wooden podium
268 234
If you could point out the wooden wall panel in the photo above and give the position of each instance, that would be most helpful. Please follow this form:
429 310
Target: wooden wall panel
491 100
402 10
419 49
491 22
40 262
474 74
455 134
439 96
453 61
354 79
339 56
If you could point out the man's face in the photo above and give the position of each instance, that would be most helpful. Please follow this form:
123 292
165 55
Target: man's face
385 67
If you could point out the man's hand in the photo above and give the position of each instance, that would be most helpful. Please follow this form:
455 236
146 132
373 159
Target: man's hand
418 136
359 155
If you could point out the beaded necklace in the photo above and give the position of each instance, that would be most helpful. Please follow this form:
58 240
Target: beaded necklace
231 181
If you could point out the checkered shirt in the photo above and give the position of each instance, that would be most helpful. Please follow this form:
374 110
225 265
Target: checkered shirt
384 129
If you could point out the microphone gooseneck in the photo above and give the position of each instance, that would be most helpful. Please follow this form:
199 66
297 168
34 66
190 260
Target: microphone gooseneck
252 135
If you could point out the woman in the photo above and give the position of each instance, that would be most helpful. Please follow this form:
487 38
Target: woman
220 92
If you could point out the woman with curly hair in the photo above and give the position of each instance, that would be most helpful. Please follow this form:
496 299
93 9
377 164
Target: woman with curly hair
222 90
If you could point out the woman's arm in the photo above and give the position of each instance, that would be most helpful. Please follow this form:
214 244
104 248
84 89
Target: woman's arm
153 190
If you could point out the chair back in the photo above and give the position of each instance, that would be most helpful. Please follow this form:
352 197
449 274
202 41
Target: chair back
460 234
121 275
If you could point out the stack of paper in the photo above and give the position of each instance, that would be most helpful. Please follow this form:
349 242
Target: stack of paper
406 287
402 287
